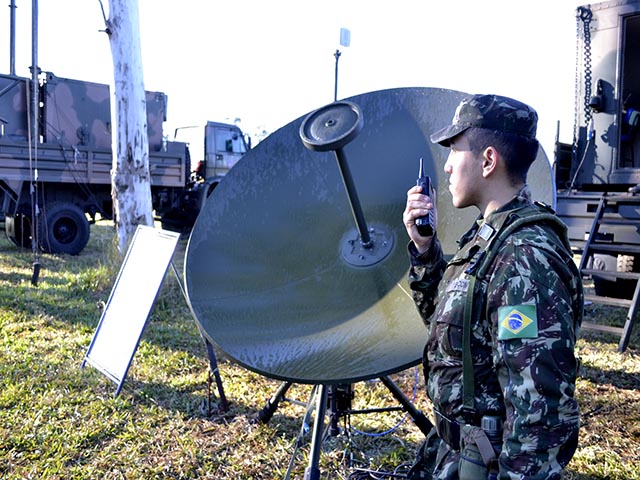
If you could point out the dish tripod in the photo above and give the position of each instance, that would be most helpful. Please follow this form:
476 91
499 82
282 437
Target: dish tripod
336 400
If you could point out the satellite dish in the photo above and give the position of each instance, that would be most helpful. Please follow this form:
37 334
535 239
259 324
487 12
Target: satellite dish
266 272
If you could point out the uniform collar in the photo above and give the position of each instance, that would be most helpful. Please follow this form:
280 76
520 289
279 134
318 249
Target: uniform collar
485 228
496 219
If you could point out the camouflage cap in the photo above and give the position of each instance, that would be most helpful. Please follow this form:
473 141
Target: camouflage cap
492 112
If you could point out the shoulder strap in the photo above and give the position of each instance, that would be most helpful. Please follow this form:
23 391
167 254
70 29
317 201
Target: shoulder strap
468 387
503 234
478 270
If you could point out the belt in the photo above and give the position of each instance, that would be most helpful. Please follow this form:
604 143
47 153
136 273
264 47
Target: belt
448 430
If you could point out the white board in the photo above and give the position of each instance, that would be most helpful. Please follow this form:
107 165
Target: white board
127 310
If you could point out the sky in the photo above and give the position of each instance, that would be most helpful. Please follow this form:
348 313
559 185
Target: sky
267 63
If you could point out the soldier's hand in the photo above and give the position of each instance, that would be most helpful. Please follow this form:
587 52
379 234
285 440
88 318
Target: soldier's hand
418 205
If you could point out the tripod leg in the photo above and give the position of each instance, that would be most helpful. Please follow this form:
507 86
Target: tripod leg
313 471
271 406
419 418
213 364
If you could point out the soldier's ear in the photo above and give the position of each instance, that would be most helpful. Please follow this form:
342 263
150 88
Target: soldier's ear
490 161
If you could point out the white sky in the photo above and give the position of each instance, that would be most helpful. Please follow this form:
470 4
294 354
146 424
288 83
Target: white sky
270 62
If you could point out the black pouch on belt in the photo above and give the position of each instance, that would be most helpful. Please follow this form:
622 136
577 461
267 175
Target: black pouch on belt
448 430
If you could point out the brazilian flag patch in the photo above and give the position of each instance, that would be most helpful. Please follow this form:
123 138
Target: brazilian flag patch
518 321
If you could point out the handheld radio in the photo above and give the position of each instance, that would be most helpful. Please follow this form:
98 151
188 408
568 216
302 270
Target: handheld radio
426 225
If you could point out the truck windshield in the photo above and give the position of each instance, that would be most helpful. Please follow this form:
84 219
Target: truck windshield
229 141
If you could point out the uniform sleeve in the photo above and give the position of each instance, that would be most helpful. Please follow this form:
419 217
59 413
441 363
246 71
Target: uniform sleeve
424 276
530 306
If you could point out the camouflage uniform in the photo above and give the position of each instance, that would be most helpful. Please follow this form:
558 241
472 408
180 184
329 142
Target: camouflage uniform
524 372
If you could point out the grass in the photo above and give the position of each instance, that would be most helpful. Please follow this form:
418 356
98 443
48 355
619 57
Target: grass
61 421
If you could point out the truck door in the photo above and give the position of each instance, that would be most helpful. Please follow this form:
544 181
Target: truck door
630 93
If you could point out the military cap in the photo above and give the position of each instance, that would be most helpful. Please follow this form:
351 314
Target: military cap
492 112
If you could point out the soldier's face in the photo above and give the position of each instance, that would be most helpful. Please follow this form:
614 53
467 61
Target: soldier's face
465 173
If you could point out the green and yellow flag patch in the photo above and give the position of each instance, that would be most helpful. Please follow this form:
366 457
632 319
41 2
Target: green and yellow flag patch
518 321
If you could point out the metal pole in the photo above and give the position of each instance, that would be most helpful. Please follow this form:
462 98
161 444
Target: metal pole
312 471
354 201
34 76
12 38
335 88
35 122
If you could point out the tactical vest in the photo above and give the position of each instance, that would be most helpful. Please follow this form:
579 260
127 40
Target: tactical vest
487 243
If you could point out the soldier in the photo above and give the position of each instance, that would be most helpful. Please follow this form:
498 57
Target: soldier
502 314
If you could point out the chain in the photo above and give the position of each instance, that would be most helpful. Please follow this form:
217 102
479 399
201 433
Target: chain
587 16
584 16
576 85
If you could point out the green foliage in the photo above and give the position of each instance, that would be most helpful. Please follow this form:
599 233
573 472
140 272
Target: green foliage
61 421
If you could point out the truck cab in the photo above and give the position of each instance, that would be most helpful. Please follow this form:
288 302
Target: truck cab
224 145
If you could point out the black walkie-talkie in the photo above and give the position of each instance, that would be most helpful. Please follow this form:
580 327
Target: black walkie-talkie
426 225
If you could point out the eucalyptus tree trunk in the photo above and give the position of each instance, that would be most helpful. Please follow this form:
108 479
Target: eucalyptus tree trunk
130 177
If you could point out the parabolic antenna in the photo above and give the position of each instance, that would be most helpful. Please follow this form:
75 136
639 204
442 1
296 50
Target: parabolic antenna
271 269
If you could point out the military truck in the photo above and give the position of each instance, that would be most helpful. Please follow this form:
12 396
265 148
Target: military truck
598 175
62 178
602 165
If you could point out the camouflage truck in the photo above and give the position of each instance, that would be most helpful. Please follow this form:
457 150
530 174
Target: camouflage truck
597 175
63 179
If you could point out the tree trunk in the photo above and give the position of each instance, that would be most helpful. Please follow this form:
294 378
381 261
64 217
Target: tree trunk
130 177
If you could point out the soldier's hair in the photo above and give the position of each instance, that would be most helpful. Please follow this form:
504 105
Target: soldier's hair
519 152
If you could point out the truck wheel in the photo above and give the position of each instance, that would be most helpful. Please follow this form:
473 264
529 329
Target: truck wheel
609 286
169 222
64 229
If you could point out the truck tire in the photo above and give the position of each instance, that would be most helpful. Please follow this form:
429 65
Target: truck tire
64 229
609 286
176 224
